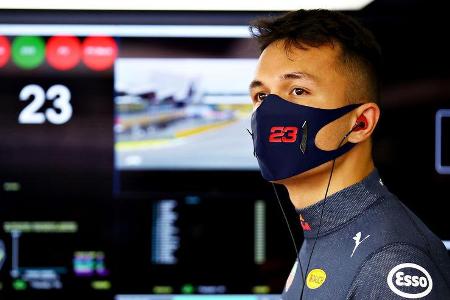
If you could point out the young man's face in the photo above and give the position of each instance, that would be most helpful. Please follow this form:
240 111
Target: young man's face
309 77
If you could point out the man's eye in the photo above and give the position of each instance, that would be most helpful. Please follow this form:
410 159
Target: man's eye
260 96
298 91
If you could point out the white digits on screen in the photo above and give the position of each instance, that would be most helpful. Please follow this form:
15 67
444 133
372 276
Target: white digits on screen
61 100
30 114
58 94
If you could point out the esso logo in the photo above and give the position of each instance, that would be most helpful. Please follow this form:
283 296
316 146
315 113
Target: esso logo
407 284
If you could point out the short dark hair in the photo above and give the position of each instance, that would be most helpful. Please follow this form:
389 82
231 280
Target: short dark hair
360 55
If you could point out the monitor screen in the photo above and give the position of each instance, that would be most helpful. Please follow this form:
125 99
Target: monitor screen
85 114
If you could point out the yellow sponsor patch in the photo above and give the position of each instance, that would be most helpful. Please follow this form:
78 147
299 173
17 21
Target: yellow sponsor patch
315 278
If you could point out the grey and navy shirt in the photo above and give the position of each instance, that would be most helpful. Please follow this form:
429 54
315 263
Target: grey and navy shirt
370 246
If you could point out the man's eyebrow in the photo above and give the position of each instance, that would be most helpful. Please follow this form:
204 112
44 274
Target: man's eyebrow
292 75
298 75
255 84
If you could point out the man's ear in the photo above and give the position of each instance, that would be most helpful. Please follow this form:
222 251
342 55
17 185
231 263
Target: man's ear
371 113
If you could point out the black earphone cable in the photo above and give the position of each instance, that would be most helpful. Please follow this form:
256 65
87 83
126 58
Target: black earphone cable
323 205
290 230
321 216
359 124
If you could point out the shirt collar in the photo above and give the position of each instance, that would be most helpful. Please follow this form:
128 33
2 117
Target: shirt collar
342 206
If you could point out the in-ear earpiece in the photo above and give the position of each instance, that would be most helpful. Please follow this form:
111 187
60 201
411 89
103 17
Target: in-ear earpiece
361 123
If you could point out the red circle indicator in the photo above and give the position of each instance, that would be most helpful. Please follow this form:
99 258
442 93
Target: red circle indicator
99 53
63 52
5 51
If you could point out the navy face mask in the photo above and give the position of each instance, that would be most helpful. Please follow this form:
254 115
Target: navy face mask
284 135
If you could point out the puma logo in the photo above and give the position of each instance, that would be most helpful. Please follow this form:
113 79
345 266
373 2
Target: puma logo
358 241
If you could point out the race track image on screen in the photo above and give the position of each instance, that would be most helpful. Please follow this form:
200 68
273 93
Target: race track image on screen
181 113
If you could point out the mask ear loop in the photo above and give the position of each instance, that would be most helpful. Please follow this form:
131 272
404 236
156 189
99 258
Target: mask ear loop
323 205
251 134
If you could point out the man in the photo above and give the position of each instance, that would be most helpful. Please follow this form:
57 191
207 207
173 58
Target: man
315 96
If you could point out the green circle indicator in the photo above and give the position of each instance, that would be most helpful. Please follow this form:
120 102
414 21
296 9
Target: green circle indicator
187 289
19 285
28 52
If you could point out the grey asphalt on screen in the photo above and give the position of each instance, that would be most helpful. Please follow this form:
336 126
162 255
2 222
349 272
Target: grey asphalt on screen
228 147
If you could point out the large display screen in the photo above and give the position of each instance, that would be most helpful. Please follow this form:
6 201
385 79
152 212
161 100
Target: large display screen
82 115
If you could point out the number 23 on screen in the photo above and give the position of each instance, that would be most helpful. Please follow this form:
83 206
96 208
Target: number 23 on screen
60 112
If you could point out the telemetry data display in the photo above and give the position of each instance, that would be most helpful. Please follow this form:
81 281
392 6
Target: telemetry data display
56 159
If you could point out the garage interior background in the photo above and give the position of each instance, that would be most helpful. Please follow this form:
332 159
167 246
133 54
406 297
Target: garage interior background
140 179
